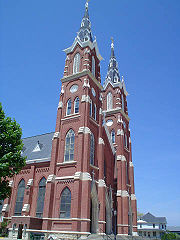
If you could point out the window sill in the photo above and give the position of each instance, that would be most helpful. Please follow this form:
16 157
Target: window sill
67 163
71 116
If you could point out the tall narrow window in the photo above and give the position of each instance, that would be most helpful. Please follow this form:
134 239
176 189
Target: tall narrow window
125 141
93 66
40 199
122 97
90 109
76 105
109 101
19 198
113 136
68 111
76 63
94 111
69 146
92 149
65 204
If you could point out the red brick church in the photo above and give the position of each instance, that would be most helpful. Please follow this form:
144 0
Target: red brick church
79 179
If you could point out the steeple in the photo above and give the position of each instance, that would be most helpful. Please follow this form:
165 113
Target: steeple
85 33
113 75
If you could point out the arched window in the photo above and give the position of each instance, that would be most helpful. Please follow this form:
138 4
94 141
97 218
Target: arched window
65 204
69 146
113 136
76 105
95 111
91 108
40 199
109 101
93 66
92 149
19 198
76 63
122 97
68 111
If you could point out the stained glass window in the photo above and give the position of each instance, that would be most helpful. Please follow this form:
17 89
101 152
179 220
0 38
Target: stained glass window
76 63
113 136
40 199
69 146
68 112
65 204
95 111
19 198
109 101
93 66
92 149
76 105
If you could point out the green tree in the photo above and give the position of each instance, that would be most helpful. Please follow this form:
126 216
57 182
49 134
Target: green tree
169 236
11 161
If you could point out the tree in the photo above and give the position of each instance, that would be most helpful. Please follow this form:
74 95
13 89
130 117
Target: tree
169 236
11 161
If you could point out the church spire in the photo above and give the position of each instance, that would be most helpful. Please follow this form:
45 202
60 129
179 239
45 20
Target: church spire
113 75
85 33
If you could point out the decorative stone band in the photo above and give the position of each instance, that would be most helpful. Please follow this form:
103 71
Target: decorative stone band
56 135
5 208
51 178
121 158
120 132
122 193
101 183
101 141
60 105
131 164
133 197
26 207
85 98
100 111
11 183
30 182
84 130
84 176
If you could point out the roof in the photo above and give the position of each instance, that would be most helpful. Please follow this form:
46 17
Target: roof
38 147
148 217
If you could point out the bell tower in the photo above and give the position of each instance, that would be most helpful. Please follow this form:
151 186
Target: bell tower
117 120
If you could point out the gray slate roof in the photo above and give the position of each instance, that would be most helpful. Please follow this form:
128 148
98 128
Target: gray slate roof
45 143
148 217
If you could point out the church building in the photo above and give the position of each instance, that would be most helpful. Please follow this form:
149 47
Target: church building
79 179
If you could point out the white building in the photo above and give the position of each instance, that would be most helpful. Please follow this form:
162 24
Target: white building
151 226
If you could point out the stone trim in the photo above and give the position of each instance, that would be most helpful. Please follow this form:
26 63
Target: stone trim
101 141
101 222
86 98
81 74
11 183
66 163
84 130
133 197
131 164
5 208
51 178
30 182
84 176
122 193
70 117
121 158
120 132
116 110
56 135
38 160
94 167
60 104
26 207
101 183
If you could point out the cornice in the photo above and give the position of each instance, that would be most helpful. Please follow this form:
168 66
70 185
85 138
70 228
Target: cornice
116 110
81 74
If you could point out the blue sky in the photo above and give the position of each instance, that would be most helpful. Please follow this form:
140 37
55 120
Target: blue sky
147 46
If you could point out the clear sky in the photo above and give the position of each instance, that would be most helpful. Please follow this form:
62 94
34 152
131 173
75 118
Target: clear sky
147 46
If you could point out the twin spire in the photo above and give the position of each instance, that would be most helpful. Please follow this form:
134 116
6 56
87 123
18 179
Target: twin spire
85 35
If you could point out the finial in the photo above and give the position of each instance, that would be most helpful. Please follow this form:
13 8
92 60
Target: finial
87 3
112 44
122 78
